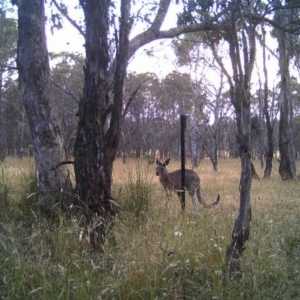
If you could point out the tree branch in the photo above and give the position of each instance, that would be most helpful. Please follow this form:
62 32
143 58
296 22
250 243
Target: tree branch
153 33
68 92
72 22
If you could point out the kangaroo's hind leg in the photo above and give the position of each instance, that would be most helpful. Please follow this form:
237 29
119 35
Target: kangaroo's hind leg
193 195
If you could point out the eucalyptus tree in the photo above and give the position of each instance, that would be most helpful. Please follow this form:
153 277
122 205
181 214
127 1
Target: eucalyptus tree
239 35
242 50
100 108
39 102
286 14
106 29
269 106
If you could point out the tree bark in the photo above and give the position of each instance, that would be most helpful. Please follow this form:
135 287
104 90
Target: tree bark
270 143
34 73
100 109
287 167
242 61
241 230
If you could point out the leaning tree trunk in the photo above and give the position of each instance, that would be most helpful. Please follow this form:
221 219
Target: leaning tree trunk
34 73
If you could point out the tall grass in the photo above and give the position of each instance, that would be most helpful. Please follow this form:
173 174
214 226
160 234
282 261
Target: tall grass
135 198
159 252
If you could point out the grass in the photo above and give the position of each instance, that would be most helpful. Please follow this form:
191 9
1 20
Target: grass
158 251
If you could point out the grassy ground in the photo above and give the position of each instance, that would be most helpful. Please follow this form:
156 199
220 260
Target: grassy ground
158 252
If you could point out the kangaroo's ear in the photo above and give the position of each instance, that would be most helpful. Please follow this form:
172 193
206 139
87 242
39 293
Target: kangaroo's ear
167 162
158 162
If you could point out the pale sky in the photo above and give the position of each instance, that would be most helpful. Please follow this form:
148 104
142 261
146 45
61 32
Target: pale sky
68 39
162 61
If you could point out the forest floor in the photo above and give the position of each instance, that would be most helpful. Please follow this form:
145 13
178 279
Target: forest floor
156 251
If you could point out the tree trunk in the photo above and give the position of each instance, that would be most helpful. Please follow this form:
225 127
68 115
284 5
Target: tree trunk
212 152
242 60
241 230
100 110
270 143
93 161
215 152
34 73
287 167
3 148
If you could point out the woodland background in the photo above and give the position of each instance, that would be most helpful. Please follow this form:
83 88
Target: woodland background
151 121
90 109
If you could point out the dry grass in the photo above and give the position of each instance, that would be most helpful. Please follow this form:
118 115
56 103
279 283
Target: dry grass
158 251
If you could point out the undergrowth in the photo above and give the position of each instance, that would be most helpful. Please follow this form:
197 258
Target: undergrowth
158 252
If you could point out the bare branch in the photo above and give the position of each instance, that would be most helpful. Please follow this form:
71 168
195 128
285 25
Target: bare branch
72 22
131 98
154 33
68 92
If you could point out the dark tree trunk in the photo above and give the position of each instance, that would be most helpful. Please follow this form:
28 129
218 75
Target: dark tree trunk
241 230
92 168
100 109
34 73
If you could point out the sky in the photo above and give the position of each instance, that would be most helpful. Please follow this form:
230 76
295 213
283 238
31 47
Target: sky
161 63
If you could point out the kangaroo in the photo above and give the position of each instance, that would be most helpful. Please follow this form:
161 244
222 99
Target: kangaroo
172 181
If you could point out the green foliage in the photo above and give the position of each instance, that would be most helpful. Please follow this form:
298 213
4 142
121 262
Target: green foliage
148 155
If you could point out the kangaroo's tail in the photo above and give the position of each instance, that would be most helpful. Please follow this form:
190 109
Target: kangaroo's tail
201 200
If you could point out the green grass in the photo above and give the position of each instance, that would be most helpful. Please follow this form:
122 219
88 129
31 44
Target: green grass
158 251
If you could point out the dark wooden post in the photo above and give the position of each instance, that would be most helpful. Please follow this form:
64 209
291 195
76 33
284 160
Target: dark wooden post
183 122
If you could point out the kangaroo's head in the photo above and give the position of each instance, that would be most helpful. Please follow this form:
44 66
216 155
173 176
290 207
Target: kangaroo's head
161 167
